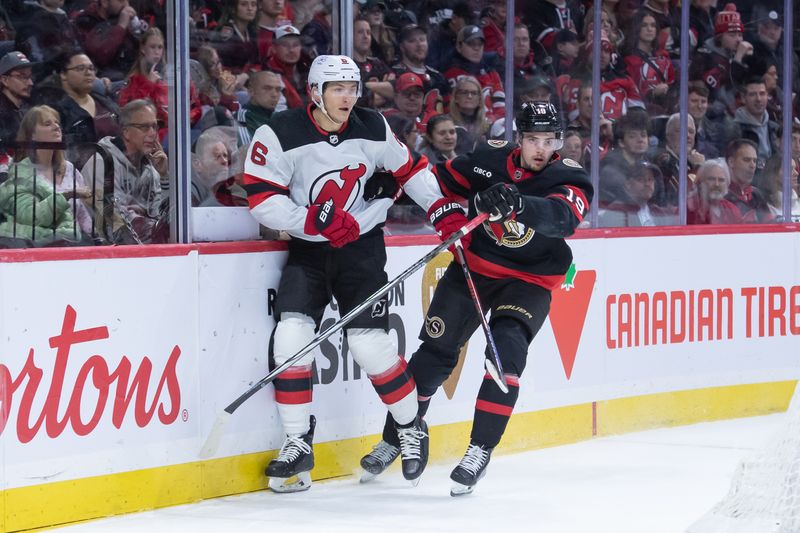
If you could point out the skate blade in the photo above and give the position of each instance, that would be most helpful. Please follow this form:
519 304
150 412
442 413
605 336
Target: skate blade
457 489
415 482
298 483
366 476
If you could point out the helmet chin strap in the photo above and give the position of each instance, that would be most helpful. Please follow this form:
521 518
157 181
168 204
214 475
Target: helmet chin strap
321 106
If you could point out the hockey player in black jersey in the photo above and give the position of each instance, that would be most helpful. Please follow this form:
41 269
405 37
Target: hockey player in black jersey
535 199
307 172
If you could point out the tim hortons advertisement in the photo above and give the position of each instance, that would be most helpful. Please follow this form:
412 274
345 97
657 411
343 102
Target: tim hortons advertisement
98 368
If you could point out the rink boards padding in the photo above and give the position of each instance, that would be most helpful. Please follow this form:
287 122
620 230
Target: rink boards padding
115 361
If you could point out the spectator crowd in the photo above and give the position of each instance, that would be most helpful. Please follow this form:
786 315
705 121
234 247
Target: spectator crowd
84 100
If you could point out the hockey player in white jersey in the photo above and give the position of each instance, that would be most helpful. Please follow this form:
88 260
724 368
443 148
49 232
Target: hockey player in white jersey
307 172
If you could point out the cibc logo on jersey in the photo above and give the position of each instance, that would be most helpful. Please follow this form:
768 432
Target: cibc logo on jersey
343 186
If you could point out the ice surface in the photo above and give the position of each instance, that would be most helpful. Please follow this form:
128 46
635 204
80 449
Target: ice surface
653 481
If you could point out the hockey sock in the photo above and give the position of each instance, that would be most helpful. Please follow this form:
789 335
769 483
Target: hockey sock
397 390
293 396
493 409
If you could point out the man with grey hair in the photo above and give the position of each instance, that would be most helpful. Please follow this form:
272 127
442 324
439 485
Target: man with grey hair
140 170
706 204
668 161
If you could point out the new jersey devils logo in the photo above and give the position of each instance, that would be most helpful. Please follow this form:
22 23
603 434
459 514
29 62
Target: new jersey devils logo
343 186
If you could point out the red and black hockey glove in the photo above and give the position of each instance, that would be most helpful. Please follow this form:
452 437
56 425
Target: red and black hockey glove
502 201
336 225
448 217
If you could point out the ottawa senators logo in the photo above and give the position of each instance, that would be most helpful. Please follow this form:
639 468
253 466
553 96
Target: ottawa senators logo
510 233
343 186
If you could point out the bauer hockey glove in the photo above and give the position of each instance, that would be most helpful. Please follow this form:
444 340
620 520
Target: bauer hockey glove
448 217
502 201
336 225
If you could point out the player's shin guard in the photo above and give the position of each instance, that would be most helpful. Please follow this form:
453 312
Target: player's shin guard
493 409
293 386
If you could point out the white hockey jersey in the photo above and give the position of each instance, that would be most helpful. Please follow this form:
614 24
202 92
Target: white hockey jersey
292 163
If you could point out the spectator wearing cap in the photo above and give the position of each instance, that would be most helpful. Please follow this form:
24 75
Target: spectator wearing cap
753 119
631 136
408 92
376 76
668 161
469 61
706 203
383 38
413 53
443 36
469 114
285 60
108 31
270 16
16 84
650 66
317 35
565 51
741 157
768 41
720 61
493 24
236 38
265 89
634 205
546 17
528 63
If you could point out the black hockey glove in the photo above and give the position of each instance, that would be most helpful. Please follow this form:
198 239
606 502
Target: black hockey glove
380 185
502 201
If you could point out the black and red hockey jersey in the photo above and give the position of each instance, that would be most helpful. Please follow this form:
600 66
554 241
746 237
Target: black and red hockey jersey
292 163
531 247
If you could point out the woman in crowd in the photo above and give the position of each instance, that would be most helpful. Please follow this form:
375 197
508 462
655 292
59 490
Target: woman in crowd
468 114
650 67
216 87
405 129
236 39
440 139
144 79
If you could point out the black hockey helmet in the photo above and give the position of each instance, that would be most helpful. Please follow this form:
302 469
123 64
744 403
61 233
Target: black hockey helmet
539 116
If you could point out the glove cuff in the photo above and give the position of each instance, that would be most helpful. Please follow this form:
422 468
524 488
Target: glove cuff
443 208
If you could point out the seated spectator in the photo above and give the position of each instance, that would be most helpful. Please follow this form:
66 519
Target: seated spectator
573 146
668 19
774 93
493 24
608 24
795 143
650 67
742 159
633 206
770 181
42 124
405 129
377 78
16 83
469 115
408 99
706 203
213 183
439 144
546 17
720 61
144 79
108 30
216 87
527 63
264 88
768 40
443 35
383 38
140 167
754 122
669 163
715 129
285 59
701 19
86 116
270 17
631 134
469 61
582 123
236 36
566 48
317 35
44 34
413 46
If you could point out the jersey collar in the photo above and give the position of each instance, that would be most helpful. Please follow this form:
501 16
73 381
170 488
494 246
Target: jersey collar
515 169
333 137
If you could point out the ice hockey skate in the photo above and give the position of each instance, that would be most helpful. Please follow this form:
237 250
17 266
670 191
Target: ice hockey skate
470 470
414 449
375 462
290 471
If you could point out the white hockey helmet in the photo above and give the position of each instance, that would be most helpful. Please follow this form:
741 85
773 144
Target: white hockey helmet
332 68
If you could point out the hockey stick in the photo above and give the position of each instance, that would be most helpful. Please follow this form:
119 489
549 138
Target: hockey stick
215 436
493 365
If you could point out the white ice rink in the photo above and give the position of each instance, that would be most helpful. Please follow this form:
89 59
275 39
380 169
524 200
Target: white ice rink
656 481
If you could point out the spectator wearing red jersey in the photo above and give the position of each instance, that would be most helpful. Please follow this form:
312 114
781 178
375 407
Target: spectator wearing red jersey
270 17
144 79
285 59
493 24
706 204
650 67
108 30
469 61
742 158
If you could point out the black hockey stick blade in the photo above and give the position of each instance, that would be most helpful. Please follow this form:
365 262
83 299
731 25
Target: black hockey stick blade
215 436
493 365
